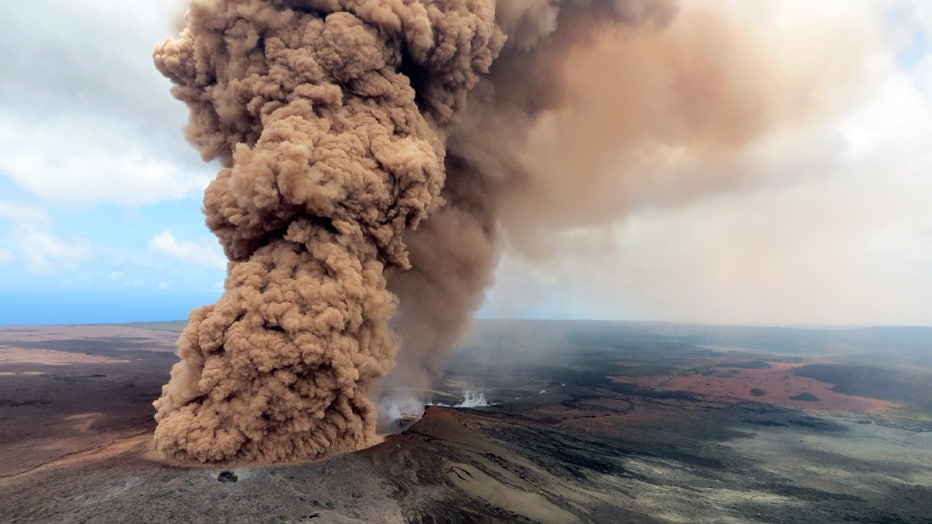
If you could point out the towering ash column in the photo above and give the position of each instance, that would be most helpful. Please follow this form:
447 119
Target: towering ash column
376 157
329 118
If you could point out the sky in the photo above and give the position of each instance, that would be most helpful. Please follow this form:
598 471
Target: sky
100 195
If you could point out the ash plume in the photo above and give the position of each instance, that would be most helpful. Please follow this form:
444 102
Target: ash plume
378 155
328 117
454 253
593 109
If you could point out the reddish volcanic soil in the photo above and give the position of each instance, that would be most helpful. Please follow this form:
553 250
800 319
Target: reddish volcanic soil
723 383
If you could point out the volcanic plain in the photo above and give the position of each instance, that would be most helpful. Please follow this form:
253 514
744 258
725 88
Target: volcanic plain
583 422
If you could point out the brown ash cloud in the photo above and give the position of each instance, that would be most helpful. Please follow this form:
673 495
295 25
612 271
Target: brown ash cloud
378 156
329 119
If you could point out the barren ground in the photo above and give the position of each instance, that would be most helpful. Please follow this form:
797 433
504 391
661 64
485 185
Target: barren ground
588 424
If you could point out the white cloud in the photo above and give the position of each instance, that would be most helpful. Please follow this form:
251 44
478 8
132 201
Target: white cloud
84 116
204 253
43 251
28 239
24 213
109 165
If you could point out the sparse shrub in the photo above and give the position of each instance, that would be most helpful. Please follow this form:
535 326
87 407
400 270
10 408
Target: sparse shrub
757 392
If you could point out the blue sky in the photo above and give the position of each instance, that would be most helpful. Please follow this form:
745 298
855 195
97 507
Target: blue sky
100 195
104 262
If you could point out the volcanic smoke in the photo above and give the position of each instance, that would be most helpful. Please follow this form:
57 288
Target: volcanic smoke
328 118
374 154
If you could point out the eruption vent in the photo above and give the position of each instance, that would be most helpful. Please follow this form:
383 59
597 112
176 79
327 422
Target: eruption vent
329 119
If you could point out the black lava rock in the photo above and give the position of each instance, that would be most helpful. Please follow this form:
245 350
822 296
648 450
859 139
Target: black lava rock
227 476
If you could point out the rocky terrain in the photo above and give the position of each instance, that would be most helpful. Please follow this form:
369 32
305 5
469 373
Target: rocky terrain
586 423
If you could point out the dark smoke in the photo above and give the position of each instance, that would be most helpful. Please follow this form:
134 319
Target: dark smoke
378 155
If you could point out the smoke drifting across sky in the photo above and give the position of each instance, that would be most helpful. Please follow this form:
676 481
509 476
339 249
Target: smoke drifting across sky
377 156
746 164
